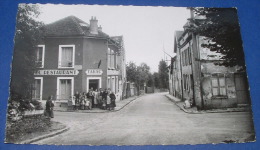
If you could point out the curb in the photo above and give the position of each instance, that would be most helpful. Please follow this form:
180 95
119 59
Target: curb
107 111
45 136
184 110
204 112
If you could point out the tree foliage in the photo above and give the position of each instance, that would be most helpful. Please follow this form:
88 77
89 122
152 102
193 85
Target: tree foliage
163 75
221 27
138 74
28 34
156 79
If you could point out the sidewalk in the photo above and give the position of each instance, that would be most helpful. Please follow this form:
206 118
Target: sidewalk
194 110
119 105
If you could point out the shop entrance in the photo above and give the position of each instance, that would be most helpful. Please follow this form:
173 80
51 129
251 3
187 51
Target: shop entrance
93 82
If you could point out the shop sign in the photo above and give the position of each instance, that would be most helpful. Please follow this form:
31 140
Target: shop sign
94 72
56 72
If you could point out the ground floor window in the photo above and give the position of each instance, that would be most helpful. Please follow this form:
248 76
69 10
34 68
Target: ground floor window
113 83
37 88
65 87
218 85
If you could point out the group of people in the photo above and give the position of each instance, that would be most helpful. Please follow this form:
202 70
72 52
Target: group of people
104 99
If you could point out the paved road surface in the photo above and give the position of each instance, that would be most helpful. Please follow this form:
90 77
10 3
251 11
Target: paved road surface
151 120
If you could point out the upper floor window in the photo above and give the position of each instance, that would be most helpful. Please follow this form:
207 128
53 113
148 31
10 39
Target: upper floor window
66 56
40 51
111 59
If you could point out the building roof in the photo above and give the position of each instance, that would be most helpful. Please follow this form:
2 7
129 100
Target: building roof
70 26
177 35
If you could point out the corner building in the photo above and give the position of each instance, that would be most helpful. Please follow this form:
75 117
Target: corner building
77 56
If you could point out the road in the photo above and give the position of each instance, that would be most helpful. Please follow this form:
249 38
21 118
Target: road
151 120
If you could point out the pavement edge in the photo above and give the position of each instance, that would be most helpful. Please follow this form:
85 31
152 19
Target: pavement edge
45 136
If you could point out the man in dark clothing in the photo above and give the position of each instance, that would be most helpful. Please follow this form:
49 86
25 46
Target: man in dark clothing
49 107
113 101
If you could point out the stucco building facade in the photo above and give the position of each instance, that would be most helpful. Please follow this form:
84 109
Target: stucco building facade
77 56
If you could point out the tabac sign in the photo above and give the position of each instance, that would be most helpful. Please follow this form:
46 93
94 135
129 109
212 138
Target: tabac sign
56 72
94 72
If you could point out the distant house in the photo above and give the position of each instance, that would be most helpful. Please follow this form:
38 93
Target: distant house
77 56
195 75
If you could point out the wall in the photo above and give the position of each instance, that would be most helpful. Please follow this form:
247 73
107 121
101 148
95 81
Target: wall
51 62
94 50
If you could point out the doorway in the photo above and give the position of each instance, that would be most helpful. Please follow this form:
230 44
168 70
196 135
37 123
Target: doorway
93 82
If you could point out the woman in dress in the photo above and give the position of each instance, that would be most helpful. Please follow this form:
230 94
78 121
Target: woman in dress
95 94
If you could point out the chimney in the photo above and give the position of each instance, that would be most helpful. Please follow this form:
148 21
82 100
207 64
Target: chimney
93 25
99 28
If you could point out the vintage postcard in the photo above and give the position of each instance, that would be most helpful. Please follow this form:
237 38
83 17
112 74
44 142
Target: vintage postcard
128 75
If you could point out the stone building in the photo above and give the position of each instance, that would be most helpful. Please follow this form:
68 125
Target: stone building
77 56
195 75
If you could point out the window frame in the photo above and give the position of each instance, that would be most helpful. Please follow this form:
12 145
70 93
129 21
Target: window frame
58 85
60 55
218 77
43 54
39 78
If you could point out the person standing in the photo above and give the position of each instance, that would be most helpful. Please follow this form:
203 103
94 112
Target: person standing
49 107
77 100
89 99
100 97
113 101
95 94
104 98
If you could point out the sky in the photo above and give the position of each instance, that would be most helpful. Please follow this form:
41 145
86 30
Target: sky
147 31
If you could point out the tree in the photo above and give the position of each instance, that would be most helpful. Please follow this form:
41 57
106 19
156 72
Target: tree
156 79
138 74
143 73
150 82
221 27
163 75
131 72
28 34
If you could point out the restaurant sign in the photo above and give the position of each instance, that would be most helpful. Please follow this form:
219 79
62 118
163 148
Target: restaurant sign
94 72
56 72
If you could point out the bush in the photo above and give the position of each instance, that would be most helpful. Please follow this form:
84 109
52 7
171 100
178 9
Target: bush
15 130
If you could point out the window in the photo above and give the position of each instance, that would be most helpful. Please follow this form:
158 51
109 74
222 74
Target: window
108 82
40 50
65 87
186 57
218 85
37 88
111 59
66 56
